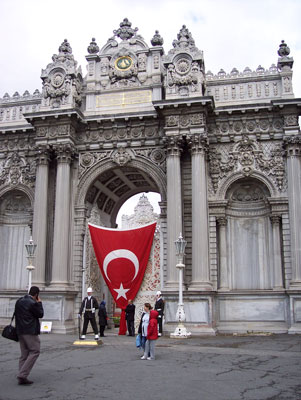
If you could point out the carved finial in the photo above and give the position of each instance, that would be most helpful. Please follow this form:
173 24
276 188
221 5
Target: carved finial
184 39
284 50
157 40
65 47
125 31
93 48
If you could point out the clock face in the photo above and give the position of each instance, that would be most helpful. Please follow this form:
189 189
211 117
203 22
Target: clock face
123 63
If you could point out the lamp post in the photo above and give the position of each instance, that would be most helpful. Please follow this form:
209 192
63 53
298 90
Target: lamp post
180 331
30 248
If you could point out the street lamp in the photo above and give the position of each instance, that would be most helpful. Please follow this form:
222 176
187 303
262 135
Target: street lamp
180 331
30 248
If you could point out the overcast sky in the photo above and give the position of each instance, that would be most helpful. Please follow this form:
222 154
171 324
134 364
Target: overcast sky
232 33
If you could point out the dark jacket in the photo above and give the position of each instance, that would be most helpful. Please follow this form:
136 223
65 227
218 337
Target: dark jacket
27 313
88 305
102 313
159 306
152 329
130 312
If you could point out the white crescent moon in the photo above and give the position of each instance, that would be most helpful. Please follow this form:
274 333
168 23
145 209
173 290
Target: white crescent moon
120 253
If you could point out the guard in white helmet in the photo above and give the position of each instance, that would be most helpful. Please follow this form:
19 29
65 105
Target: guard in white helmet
88 307
159 306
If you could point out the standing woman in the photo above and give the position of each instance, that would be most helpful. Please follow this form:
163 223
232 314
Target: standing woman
103 320
142 330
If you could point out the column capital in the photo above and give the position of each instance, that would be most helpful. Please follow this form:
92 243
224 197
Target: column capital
292 145
65 153
198 144
174 146
42 154
275 219
222 221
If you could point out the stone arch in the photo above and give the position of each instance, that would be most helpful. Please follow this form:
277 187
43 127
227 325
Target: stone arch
151 169
229 181
249 235
15 230
20 187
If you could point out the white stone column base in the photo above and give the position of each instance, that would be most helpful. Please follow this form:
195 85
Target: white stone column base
180 332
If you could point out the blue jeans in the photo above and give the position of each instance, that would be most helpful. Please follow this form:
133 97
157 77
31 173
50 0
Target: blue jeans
143 341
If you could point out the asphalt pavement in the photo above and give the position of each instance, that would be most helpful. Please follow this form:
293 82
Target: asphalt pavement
206 368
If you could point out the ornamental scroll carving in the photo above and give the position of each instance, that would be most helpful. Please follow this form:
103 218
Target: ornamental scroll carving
247 156
16 170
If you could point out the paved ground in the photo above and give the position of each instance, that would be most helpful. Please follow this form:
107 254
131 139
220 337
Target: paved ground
205 368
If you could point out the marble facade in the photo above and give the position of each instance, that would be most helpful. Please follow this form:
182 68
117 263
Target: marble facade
223 151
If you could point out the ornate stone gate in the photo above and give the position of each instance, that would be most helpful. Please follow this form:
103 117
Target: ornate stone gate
222 150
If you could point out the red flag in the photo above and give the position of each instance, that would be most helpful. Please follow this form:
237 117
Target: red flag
122 256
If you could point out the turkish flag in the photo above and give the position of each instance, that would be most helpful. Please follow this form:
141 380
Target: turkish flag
122 256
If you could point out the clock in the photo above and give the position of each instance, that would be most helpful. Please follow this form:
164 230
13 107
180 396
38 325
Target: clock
123 63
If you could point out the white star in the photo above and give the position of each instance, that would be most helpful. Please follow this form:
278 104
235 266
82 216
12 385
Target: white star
121 292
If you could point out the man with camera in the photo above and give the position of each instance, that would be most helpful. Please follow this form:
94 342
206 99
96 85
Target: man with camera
28 310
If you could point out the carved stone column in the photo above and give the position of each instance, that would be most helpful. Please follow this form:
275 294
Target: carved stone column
40 215
223 261
174 210
293 151
278 276
60 262
200 221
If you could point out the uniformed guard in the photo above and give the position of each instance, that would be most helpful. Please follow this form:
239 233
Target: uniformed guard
159 306
88 307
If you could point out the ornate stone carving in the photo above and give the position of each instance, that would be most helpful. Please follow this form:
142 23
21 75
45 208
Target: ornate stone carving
17 169
290 120
157 40
65 153
125 30
184 67
93 48
292 145
121 157
284 50
247 156
62 81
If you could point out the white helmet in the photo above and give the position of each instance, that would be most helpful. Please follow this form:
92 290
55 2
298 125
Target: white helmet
158 293
89 290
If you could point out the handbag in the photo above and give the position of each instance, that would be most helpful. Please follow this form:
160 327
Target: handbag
10 332
138 341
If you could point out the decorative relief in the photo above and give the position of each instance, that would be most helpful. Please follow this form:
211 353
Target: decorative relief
242 126
247 156
184 74
121 157
62 81
184 120
16 170
290 120
88 160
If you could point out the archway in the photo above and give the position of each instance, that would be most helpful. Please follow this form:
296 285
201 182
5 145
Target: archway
249 236
106 194
15 222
